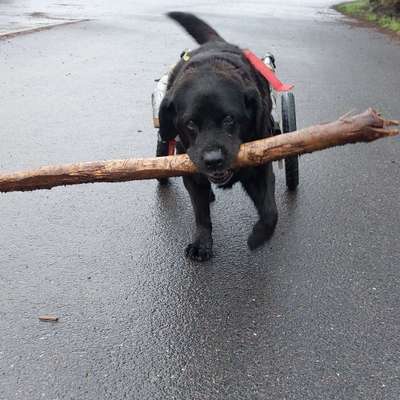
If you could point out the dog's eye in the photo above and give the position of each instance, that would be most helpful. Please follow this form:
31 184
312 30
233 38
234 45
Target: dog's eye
228 120
191 125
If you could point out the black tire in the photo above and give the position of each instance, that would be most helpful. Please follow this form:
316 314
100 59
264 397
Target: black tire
162 151
289 125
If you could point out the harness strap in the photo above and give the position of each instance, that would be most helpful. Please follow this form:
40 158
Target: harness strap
266 72
171 147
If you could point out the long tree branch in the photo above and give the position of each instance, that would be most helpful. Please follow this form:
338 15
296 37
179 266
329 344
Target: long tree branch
365 127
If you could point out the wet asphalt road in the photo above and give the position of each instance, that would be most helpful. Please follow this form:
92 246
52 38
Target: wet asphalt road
312 315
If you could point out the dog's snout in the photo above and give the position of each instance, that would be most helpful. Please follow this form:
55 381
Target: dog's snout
213 159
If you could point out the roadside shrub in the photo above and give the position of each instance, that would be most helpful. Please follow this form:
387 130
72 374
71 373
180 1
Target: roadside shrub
386 5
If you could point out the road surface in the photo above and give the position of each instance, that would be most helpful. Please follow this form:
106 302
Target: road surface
314 314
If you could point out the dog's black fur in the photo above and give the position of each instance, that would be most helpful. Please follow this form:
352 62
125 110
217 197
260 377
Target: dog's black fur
215 101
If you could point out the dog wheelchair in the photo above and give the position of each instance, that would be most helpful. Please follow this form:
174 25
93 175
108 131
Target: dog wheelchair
283 124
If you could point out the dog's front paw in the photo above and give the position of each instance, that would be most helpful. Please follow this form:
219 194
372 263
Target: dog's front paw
261 233
199 250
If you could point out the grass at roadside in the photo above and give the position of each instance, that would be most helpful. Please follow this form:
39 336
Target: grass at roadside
362 10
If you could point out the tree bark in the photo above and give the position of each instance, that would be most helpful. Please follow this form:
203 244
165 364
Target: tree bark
364 127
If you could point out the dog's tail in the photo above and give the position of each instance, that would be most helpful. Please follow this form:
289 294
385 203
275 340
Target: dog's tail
197 28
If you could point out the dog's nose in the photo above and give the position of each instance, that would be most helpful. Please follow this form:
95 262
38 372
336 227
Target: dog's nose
213 159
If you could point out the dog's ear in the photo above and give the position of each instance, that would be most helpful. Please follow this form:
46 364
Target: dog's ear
255 111
167 116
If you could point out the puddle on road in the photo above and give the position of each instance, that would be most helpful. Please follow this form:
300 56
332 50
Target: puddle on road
22 15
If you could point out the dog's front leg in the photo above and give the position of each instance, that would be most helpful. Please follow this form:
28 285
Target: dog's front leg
199 189
260 186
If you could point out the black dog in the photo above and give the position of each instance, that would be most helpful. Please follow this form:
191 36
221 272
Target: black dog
215 101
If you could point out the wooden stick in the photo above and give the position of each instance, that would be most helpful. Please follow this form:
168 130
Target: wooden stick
48 318
364 127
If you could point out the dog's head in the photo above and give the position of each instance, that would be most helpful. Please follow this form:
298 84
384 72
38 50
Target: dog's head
213 113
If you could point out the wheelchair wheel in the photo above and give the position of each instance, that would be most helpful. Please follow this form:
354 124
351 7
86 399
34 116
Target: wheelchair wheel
289 125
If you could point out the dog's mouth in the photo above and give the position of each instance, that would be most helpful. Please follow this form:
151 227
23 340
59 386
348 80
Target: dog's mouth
220 177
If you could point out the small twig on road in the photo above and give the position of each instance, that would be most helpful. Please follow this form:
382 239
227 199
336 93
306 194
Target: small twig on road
48 318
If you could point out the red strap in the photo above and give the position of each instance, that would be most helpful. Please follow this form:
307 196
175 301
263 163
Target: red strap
266 72
171 147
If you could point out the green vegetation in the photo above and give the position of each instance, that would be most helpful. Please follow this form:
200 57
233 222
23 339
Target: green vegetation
380 12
